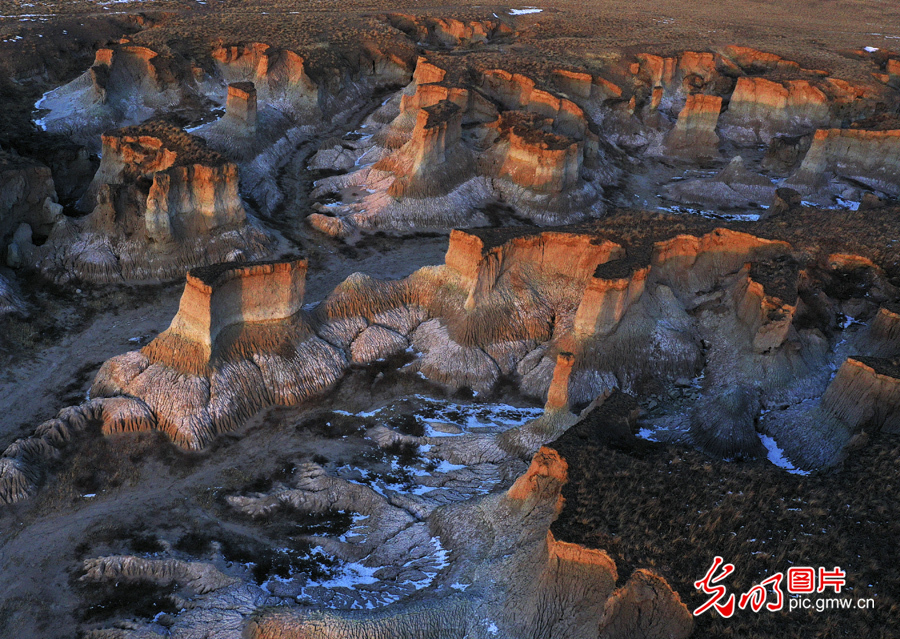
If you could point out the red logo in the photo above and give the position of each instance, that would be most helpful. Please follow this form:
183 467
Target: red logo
801 580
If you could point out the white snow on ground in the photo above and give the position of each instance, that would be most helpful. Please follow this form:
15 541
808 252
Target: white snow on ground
840 205
478 417
646 433
475 416
871 49
850 205
522 12
776 456
686 210
350 575
41 123
446 467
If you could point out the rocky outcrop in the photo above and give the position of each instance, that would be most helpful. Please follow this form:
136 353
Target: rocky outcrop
455 145
860 156
462 551
694 134
27 196
524 583
432 161
885 331
129 85
218 297
537 160
734 187
865 393
760 109
279 75
229 316
451 32
160 203
126 84
241 108
568 315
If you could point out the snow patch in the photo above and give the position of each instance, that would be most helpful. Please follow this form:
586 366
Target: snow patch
686 210
776 456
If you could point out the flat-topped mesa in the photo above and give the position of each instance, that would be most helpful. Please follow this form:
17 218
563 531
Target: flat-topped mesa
278 74
240 106
540 161
760 109
692 264
694 135
136 152
421 166
517 92
193 190
688 265
160 204
450 32
479 261
867 157
885 328
581 86
865 393
223 295
125 69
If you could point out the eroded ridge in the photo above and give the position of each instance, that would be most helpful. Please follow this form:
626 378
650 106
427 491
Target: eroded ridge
745 321
465 551
452 145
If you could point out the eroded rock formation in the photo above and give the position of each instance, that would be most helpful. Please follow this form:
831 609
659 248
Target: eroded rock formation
454 146
28 205
451 32
125 85
446 561
568 314
160 202
867 157
694 134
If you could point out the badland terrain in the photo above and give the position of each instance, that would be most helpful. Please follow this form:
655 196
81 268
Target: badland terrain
451 320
